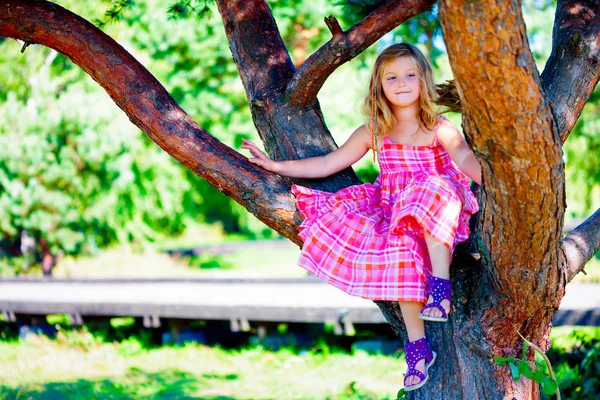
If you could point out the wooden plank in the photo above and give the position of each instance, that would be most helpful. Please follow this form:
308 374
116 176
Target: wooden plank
262 300
273 300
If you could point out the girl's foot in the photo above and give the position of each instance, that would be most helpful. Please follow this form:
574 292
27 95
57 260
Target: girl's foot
435 312
413 380
439 292
419 358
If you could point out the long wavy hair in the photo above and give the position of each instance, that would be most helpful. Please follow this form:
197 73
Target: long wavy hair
377 108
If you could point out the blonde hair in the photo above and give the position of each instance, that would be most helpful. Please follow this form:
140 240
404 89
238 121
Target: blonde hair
376 106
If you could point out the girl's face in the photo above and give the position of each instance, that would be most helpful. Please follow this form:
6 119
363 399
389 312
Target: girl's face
400 82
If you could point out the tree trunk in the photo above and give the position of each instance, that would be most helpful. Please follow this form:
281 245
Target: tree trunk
509 278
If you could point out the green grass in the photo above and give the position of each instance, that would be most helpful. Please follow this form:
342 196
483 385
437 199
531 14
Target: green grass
565 338
260 260
78 364
39 368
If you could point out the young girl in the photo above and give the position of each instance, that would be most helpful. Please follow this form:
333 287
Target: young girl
392 240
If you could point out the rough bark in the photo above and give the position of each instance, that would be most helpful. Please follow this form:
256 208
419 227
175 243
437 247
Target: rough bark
573 68
571 74
265 67
521 158
580 245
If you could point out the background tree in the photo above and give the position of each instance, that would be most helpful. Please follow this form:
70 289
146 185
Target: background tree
510 277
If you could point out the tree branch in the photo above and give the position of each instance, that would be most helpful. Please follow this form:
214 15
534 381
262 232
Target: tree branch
580 245
256 45
344 46
150 107
265 68
521 156
573 68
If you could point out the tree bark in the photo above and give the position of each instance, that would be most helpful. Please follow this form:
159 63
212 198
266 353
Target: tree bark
288 132
573 69
580 245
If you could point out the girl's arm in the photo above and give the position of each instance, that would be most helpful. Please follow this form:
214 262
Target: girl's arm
458 149
315 167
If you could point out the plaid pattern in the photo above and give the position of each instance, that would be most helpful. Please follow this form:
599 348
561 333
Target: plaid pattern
368 239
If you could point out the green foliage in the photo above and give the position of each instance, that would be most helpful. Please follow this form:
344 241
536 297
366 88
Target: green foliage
114 12
186 9
578 368
540 373
75 172
521 367
583 167
208 261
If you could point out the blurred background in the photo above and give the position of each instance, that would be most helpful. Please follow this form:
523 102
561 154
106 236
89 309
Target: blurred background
85 194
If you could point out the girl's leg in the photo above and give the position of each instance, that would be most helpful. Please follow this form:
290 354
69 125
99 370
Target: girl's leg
440 265
415 327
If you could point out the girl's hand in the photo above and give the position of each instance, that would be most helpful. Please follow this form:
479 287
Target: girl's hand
258 157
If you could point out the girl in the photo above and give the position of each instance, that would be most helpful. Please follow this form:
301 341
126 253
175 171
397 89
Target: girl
392 240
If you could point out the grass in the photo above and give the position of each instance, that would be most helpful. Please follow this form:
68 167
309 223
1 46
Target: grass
81 365
43 369
566 338
264 259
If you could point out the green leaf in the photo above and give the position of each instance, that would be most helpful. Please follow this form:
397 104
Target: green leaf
525 350
401 394
540 375
549 386
503 360
514 370
525 369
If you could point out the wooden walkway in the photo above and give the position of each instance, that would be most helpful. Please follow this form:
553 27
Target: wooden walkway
237 300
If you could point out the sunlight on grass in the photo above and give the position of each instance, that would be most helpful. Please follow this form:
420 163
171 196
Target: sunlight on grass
44 369
565 338
80 365
251 260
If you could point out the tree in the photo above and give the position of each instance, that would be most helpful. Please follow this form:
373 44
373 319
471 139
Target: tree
510 276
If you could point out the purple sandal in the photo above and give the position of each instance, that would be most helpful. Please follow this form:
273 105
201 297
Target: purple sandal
415 352
439 289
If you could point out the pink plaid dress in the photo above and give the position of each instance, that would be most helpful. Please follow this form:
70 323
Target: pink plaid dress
368 239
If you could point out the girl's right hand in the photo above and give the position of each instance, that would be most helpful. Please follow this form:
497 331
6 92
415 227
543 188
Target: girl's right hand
258 157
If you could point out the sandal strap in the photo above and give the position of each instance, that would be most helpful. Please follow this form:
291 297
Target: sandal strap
416 351
439 289
414 372
435 304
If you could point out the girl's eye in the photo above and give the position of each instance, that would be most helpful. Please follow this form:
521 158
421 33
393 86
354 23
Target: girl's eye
391 78
410 75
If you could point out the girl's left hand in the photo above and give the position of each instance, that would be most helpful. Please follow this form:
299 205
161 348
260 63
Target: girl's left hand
258 157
